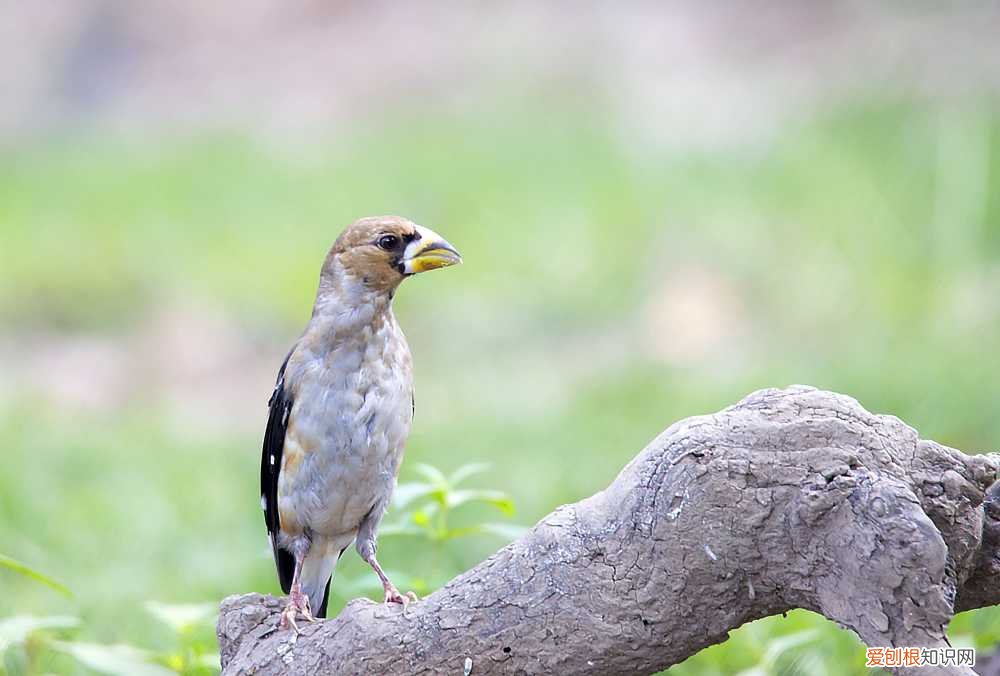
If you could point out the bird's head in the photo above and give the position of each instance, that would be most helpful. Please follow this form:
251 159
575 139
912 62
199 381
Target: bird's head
379 252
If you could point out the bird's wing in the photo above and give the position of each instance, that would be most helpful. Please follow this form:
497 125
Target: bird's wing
280 405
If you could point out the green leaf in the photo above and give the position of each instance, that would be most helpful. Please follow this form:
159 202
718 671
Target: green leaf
210 661
506 531
465 471
431 473
400 529
498 499
173 661
15 630
28 571
117 660
782 644
455 533
511 531
775 648
182 617
369 584
409 492
423 516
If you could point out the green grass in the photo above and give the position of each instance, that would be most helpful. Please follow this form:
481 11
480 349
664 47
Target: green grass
858 250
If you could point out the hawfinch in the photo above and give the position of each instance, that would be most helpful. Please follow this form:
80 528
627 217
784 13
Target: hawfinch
341 411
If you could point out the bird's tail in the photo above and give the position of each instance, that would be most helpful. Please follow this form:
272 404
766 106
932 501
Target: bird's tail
317 571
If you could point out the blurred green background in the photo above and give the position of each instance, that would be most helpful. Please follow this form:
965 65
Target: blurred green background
659 214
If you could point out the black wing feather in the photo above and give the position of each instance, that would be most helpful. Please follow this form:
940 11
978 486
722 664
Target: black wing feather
280 405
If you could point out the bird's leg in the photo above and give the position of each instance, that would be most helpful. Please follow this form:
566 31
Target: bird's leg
365 543
298 603
392 594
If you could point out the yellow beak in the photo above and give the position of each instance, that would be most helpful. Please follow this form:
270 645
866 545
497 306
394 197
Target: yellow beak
429 251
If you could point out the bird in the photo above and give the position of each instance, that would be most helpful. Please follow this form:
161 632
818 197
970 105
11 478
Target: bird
341 411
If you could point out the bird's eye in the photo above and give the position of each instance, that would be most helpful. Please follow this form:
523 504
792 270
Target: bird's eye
388 242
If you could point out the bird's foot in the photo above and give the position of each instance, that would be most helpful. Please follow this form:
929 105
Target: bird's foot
298 604
392 595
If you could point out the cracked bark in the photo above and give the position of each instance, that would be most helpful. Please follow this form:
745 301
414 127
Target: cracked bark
793 498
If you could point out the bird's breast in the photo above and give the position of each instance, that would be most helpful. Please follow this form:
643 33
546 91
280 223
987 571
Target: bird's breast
347 428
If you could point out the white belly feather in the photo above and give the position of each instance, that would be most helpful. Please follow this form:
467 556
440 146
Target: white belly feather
351 415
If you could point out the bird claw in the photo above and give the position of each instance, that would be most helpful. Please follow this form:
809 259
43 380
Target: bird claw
392 595
298 604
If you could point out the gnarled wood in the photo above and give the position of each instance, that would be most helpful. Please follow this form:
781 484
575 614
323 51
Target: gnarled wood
793 498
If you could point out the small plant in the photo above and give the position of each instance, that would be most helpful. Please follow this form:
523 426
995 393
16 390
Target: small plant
191 656
30 644
432 501
425 509
29 572
25 641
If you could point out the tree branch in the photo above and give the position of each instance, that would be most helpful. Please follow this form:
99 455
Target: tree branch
793 498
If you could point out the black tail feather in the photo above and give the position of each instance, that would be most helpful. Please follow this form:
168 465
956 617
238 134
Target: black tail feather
321 612
326 595
286 568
